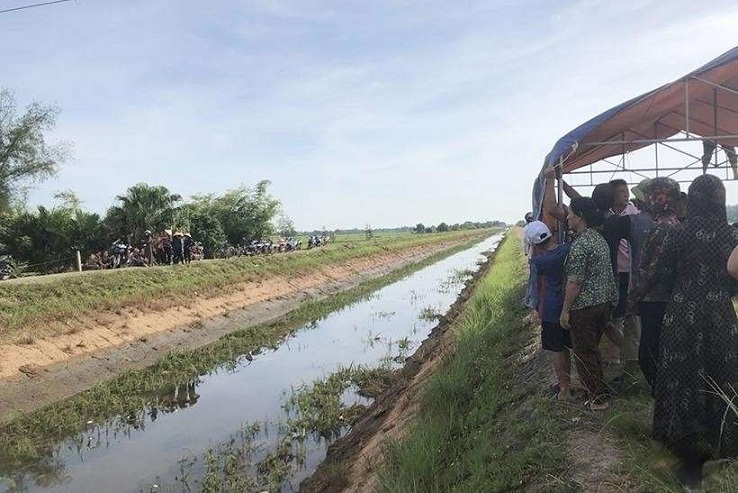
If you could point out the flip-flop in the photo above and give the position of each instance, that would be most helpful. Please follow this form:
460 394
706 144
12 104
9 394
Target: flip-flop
595 406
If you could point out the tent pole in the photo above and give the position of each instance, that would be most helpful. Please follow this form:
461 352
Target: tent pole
686 106
656 150
714 117
560 193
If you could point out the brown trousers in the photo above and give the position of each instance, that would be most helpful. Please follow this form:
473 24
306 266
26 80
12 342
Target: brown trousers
587 325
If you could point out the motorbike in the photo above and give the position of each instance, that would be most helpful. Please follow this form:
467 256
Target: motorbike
292 244
316 241
118 254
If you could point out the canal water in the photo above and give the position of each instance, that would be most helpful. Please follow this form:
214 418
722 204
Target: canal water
242 407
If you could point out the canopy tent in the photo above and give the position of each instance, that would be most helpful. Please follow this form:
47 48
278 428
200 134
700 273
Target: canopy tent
702 105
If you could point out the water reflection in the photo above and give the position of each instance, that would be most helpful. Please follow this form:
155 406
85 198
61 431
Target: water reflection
173 440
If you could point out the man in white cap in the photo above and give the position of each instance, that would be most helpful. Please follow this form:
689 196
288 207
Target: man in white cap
549 258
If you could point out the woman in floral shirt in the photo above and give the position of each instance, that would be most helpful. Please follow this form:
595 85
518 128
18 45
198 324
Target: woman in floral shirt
589 295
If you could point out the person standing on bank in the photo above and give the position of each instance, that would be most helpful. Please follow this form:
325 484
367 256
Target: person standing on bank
699 336
627 323
589 295
549 258
649 295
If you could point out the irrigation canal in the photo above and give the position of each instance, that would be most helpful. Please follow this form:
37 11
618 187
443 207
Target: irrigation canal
238 414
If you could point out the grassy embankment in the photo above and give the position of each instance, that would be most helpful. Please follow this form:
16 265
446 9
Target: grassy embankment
27 306
483 426
487 424
29 438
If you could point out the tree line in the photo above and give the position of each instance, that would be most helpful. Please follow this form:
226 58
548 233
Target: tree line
45 239
443 227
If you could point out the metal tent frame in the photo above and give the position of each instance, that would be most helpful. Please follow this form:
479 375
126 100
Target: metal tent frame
638 141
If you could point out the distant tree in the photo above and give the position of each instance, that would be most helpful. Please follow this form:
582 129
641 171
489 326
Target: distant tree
442 228
45 239
520 224
205 228
429 229
69 199
285 226
245 213
25 156
419 228
142 207
455 227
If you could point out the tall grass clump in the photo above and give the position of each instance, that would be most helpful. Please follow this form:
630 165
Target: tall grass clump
481 426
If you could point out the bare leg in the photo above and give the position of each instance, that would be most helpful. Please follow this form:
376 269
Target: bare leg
561 363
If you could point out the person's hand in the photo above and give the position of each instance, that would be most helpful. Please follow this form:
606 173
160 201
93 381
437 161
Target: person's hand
564 320
550 172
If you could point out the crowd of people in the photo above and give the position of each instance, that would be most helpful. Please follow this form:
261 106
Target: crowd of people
655 275
165 248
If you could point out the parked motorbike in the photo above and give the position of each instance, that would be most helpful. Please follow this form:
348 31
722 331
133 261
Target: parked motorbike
292 244
315 241
118 254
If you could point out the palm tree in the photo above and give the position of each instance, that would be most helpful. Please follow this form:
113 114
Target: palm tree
143 207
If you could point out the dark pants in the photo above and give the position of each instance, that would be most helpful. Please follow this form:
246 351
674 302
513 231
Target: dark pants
587 325
652 317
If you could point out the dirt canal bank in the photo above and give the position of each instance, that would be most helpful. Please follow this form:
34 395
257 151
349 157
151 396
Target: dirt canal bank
258 420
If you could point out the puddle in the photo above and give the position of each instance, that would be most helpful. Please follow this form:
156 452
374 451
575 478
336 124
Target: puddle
237 417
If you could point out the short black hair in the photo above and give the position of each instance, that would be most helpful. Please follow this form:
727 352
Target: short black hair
603 195
585 208
618 182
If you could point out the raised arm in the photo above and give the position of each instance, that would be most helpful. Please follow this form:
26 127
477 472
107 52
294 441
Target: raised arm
549 198
570 192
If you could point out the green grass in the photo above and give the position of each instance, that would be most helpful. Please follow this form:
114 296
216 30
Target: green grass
485 424
27 441
29 304
646 466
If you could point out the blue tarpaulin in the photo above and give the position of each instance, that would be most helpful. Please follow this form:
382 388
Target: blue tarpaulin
703 102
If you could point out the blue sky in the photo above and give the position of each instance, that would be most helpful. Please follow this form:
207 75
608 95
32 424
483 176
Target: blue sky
388 113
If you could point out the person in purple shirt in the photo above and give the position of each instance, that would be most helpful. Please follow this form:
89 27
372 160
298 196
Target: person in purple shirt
549 258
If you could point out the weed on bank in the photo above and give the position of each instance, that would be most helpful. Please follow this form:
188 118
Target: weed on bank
484 424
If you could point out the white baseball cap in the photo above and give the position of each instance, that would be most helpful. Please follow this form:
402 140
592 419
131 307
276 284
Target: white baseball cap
537 232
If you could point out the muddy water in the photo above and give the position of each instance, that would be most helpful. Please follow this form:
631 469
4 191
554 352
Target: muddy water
161 448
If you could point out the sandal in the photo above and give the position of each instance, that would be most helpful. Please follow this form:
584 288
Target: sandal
594 405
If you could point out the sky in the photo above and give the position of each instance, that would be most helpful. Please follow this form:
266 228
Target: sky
359 112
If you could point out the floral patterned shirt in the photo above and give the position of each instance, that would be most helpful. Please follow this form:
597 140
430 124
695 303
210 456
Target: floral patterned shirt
589 265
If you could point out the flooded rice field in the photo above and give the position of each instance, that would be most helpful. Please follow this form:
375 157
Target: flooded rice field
263 421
